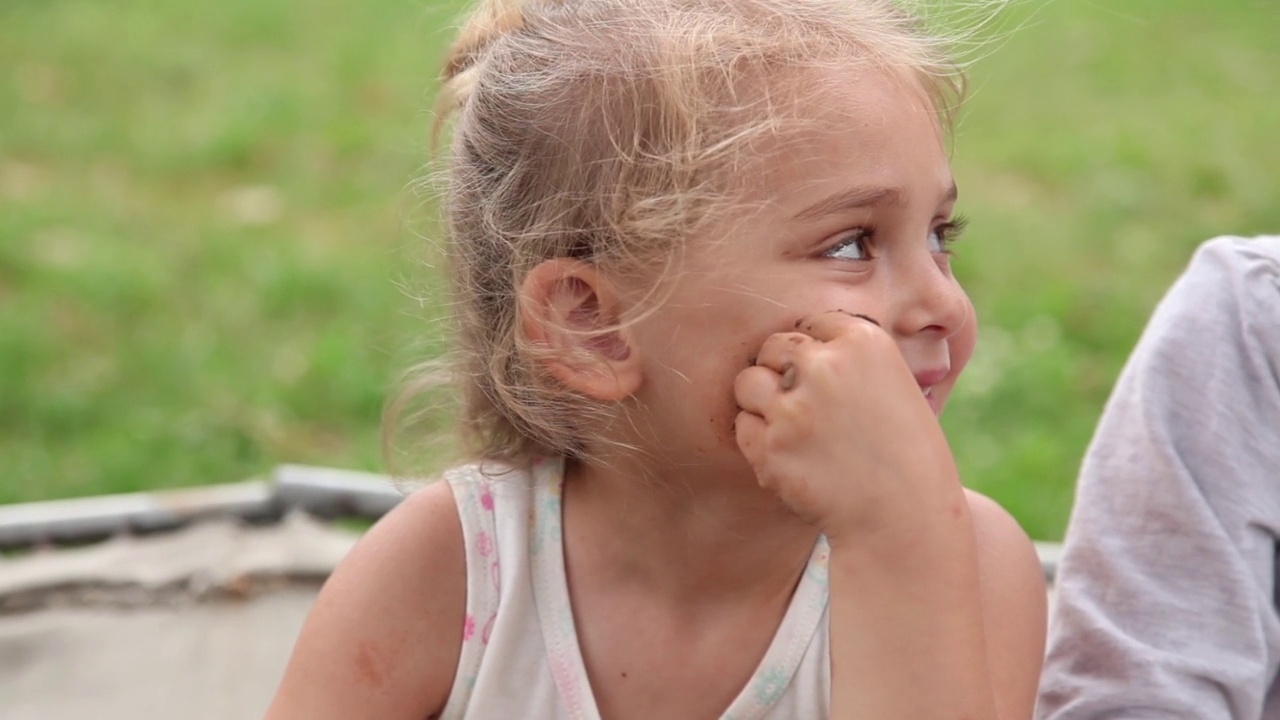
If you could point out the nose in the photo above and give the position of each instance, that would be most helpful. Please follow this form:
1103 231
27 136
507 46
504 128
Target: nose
928 299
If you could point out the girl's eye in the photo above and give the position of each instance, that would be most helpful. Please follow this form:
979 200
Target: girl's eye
853 245
941 237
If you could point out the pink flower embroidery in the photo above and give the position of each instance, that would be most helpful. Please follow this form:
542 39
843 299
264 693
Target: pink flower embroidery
469 628
486 500
484 544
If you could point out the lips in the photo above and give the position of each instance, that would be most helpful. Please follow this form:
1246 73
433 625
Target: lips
926 379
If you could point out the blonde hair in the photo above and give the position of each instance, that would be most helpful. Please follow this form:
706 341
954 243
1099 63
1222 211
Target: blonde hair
609 130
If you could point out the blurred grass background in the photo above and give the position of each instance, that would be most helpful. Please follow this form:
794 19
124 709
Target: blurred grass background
206 226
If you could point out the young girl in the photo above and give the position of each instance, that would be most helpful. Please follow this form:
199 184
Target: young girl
706 318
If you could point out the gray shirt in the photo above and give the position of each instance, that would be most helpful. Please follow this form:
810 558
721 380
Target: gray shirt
1166 595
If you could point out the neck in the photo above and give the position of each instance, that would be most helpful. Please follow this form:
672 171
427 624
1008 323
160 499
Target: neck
694 537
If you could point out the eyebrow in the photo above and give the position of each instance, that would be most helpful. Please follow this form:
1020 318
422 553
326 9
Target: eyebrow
861 197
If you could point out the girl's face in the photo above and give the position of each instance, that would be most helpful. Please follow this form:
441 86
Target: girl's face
857 217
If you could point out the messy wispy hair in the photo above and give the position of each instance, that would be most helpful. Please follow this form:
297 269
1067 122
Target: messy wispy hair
610 130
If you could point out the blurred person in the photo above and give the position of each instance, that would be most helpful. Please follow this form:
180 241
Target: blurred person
1166 596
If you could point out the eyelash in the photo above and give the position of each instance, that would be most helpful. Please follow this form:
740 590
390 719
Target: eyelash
950 231
947 232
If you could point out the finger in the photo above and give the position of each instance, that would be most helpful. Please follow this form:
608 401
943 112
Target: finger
789 377
782 349
830 325
749 432
755 388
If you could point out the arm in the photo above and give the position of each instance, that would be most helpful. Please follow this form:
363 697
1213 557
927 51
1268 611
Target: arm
1165 595
383 637
936 596
1014 606
951 618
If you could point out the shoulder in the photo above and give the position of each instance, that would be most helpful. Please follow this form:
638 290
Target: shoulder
383 637
1231 255
1014 603
1006 556
1216 329
1230 283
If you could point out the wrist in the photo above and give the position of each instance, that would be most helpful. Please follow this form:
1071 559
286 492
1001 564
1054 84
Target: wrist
899 531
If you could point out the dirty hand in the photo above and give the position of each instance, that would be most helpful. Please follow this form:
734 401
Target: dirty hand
832 420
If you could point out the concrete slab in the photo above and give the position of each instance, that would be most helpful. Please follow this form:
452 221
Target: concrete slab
216 661
193 624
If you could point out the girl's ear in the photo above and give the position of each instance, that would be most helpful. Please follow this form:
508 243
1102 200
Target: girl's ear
572 312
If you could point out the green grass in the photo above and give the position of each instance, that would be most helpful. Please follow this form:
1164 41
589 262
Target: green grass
1101 146
205 225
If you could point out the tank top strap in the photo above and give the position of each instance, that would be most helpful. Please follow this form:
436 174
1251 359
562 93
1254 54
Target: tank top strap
551 592
803 627
473 493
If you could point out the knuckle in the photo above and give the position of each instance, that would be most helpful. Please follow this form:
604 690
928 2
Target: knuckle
826 362
785 341
868 331
798 419
866 335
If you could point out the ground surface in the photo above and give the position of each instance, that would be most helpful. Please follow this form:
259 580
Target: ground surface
195 624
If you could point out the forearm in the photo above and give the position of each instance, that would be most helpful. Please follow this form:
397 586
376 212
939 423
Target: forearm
907 632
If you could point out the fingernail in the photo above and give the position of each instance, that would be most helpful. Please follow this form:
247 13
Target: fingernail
788 377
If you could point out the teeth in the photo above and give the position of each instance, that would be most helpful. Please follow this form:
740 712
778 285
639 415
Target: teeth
928 391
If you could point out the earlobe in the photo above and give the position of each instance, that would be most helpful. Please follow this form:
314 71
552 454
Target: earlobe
571 314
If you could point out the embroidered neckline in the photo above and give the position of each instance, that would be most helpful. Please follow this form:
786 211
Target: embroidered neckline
551 596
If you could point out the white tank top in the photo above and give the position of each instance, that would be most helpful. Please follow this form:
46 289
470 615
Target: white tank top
520 655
